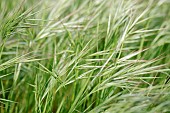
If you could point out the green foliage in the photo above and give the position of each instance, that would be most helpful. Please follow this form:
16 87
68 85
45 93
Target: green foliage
79 56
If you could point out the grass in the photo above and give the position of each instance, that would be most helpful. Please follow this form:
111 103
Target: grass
84 56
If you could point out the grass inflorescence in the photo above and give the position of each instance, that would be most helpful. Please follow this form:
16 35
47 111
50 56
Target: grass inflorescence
84 56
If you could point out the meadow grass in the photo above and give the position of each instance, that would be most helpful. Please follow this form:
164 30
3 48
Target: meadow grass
84 56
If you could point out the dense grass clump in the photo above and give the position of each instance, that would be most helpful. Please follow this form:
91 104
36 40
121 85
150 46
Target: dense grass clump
84 56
